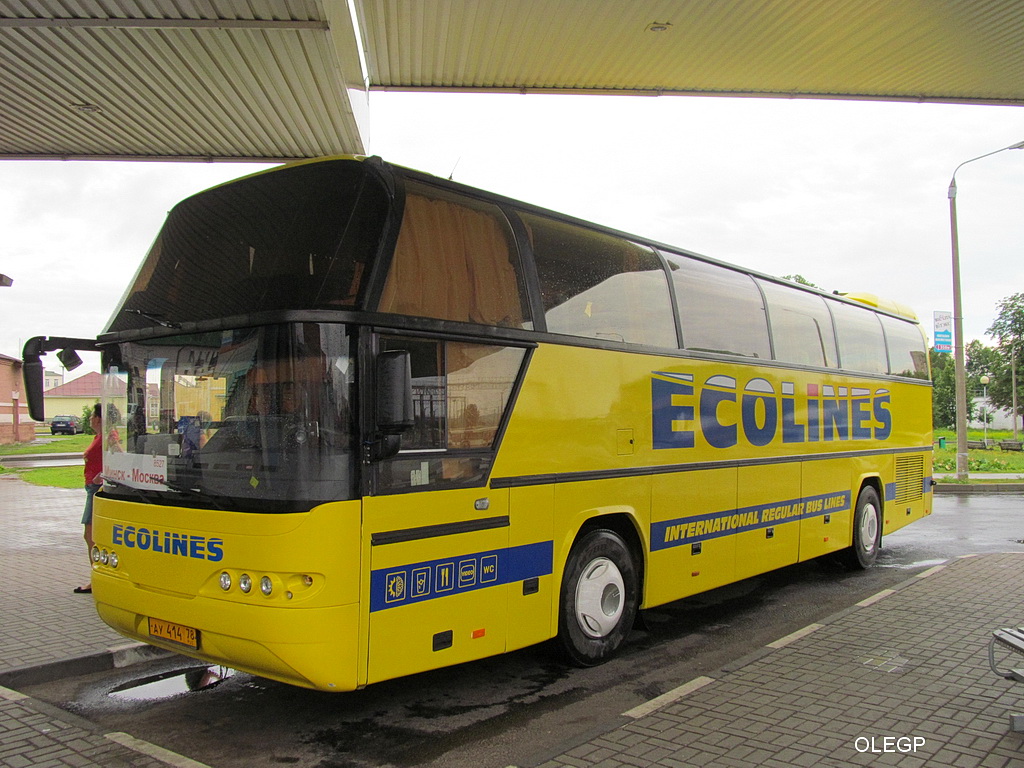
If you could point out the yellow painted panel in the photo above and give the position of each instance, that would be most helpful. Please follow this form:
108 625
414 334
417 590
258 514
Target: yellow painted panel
774 490
531 617
828 524
689 555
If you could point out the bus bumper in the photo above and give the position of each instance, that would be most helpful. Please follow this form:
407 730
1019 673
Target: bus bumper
225 633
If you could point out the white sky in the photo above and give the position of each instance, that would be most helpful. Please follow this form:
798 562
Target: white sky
852 195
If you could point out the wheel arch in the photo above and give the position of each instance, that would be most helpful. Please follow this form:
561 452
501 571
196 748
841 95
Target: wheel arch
627 527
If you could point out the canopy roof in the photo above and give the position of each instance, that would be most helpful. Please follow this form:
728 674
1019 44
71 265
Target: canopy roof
262 80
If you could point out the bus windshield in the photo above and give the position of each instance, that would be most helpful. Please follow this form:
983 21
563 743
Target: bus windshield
256 419
301 239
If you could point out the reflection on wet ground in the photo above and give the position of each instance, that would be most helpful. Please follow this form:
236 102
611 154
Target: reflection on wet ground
172 683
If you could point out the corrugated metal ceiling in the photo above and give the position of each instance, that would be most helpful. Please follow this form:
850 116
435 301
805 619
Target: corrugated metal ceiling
256 79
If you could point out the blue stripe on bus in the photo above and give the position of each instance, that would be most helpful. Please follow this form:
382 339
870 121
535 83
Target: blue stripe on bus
431 579
890 491
689 530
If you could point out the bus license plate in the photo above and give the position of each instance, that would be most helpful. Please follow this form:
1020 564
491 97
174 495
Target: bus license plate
176 633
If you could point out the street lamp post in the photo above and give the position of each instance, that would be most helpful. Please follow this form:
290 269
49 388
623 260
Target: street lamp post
984 405
960 367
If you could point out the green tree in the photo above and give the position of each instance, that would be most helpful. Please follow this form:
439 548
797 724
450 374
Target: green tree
943 390
800 280
1008 331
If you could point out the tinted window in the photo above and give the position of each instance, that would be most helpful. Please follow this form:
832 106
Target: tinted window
455 259
461 392
294 238
908 353
720 310
599 286
861 343
801 326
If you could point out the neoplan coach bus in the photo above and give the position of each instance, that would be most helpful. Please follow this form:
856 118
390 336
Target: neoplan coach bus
362 422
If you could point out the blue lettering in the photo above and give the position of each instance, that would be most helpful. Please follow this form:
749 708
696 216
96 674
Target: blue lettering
792 432
861 414
837 419
760 432
813 422
196 547
717 434
129 535
179 544
144 538
215 550
117 535
668 413
883 417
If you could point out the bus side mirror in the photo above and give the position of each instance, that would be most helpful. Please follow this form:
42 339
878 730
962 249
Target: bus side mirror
32 372
394 392
393 406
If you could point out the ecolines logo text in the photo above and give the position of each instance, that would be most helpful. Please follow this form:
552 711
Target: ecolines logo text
725 411
182 544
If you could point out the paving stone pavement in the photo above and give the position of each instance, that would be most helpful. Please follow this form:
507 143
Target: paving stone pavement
47 632
901 679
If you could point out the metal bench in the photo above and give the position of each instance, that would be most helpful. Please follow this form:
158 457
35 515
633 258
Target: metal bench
1013 640
1010 445
976 444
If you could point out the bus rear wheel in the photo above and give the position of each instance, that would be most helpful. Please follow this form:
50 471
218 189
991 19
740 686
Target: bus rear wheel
867 530
599 598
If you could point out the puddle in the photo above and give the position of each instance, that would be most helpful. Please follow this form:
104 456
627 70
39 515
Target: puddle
170 684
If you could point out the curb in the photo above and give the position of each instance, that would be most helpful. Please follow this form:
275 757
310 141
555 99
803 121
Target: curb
966 489
104 661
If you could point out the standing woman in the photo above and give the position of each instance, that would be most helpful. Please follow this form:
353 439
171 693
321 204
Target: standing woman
93 469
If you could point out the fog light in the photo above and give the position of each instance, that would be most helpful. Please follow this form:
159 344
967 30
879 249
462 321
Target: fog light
245 583
95 554
114 560
266 586
225 581
307 580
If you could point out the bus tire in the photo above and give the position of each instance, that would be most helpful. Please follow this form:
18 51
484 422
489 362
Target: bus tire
599 598
867 530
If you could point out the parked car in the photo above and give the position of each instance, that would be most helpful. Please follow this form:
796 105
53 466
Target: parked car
68 425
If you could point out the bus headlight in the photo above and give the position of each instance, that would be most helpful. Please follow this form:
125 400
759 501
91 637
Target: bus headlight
95 554
245 583
114 560
266 586
225 581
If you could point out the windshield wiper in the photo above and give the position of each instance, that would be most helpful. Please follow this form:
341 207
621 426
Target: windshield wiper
193 493
158 319
142 493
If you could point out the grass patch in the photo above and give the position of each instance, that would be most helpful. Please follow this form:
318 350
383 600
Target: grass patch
60 477
56 444
978 460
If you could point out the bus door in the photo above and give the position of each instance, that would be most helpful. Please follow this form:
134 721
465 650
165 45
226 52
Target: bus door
437 595
436 537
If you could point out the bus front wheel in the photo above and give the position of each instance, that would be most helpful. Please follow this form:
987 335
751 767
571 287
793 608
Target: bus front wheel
867 530
599 598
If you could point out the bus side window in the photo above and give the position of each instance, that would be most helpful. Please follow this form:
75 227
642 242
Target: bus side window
461 393
456 259
720 309
861 343
801 326
599 286
908 350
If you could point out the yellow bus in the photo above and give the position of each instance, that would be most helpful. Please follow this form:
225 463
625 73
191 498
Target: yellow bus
362 422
